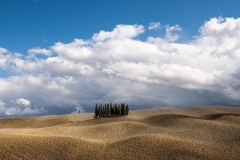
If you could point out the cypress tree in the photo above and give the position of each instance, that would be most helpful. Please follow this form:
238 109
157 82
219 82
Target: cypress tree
99 111
107 109
104 111
127 110
116 111
96 111
111 110
119 110
108 115
124 110
121 106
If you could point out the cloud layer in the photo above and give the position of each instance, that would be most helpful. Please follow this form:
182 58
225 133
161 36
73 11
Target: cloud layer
115 66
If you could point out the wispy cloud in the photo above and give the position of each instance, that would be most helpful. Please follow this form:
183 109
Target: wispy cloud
154 25
44 40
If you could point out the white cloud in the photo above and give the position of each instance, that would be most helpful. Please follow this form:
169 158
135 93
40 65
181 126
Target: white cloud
154 25
121 31
40 51
3 50
79 109
16 110
115 66
75 51
172 37
223 33
23 101
6 58
218 27
169 74
18 54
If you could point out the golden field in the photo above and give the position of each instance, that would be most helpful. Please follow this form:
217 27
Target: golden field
157 133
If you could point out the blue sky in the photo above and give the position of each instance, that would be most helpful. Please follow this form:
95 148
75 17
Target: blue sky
58 57
26 24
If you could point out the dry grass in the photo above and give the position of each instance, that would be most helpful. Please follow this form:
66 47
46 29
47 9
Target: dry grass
158 133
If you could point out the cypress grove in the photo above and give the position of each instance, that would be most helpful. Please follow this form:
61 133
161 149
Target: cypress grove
109 110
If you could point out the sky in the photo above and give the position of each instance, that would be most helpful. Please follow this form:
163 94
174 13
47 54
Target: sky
59 56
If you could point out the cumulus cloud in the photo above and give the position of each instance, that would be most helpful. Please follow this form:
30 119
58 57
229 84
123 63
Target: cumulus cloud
23 101
18 108
154 25
121 31
172 37
6 57
3 50
40 51
115 66
227 27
